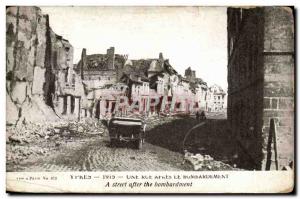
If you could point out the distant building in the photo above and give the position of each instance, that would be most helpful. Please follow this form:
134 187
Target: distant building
98 81
216 99
199 89
149 77
190 74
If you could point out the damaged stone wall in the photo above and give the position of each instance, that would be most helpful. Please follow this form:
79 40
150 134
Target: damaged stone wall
30 80
279 83
66 80
260 83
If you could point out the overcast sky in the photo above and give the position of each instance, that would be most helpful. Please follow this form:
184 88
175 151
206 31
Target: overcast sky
193 37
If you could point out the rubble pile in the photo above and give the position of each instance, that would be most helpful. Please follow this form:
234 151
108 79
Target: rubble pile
158 120
205 162
39 139
27 133
20 139
87 125
17 153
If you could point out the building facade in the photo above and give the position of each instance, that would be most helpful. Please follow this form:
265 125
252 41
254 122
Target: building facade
96 86
42 83
261 85
216 99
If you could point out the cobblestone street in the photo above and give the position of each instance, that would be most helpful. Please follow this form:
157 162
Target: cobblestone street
161 152
95 154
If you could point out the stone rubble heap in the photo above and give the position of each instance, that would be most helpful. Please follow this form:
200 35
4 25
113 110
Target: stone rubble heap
28 139
88 125
204 162
158 120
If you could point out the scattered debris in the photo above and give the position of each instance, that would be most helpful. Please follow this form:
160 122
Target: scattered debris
204 162
29 138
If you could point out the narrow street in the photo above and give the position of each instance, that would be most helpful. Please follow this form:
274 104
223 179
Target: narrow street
161 152
95 154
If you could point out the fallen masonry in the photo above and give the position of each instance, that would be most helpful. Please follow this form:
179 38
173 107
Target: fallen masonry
32 140
204 162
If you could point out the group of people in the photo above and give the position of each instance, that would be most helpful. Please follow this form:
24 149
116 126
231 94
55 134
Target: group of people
200 116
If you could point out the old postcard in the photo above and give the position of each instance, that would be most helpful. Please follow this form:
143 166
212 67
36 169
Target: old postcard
150 99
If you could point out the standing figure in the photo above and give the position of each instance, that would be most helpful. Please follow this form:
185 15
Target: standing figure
197 116
202 115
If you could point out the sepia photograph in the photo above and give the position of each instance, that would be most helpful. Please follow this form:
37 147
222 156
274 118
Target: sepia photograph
180 89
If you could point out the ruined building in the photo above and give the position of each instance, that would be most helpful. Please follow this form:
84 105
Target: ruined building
135 79
99 76
261 85
43 84
210 99
100 69
68 89
35 59
190 74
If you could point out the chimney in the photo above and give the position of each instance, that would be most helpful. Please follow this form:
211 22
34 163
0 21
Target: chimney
161 60
161 57
188 72
110 58
193 74
83 62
